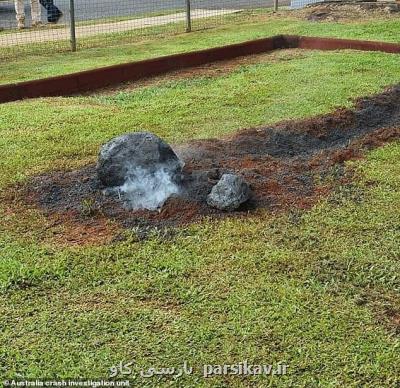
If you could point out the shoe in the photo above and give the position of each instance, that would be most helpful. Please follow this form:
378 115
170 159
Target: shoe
55 17
21 25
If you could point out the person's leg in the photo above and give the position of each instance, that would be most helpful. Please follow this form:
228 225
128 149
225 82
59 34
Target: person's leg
53 13
20 13
36 13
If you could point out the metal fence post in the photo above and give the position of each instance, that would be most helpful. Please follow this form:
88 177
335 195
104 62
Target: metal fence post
276 5
188 17
72 24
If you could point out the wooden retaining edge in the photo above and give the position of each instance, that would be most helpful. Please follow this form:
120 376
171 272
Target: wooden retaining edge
112 75
311 43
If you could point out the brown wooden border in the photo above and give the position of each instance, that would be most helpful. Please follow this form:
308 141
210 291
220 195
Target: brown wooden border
112 75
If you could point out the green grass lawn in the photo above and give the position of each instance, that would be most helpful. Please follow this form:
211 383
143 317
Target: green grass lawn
317 289
133 46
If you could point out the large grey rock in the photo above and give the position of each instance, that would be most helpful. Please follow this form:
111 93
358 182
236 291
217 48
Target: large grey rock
139 151
229 193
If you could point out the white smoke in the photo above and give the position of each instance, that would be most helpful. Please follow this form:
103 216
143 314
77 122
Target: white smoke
145 189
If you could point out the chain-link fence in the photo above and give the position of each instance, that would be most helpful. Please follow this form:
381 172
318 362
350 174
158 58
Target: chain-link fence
58 25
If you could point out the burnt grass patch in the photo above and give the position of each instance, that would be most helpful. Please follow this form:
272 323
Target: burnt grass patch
285 165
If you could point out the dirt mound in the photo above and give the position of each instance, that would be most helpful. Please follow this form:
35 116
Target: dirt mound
348 11
283 164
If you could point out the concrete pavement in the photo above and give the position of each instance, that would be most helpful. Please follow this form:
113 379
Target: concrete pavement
57 34
97 9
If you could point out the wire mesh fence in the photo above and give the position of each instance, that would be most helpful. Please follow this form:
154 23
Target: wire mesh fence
295 4
58 25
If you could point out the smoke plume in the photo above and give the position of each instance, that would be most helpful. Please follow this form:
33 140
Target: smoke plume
147 189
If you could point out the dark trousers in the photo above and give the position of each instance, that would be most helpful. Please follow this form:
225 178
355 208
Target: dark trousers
53 13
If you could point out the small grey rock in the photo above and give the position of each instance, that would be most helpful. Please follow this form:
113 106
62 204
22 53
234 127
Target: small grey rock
229 193
137 150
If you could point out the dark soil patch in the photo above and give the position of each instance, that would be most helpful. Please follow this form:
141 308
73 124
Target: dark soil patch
332 11
394 320
385 306
284 165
